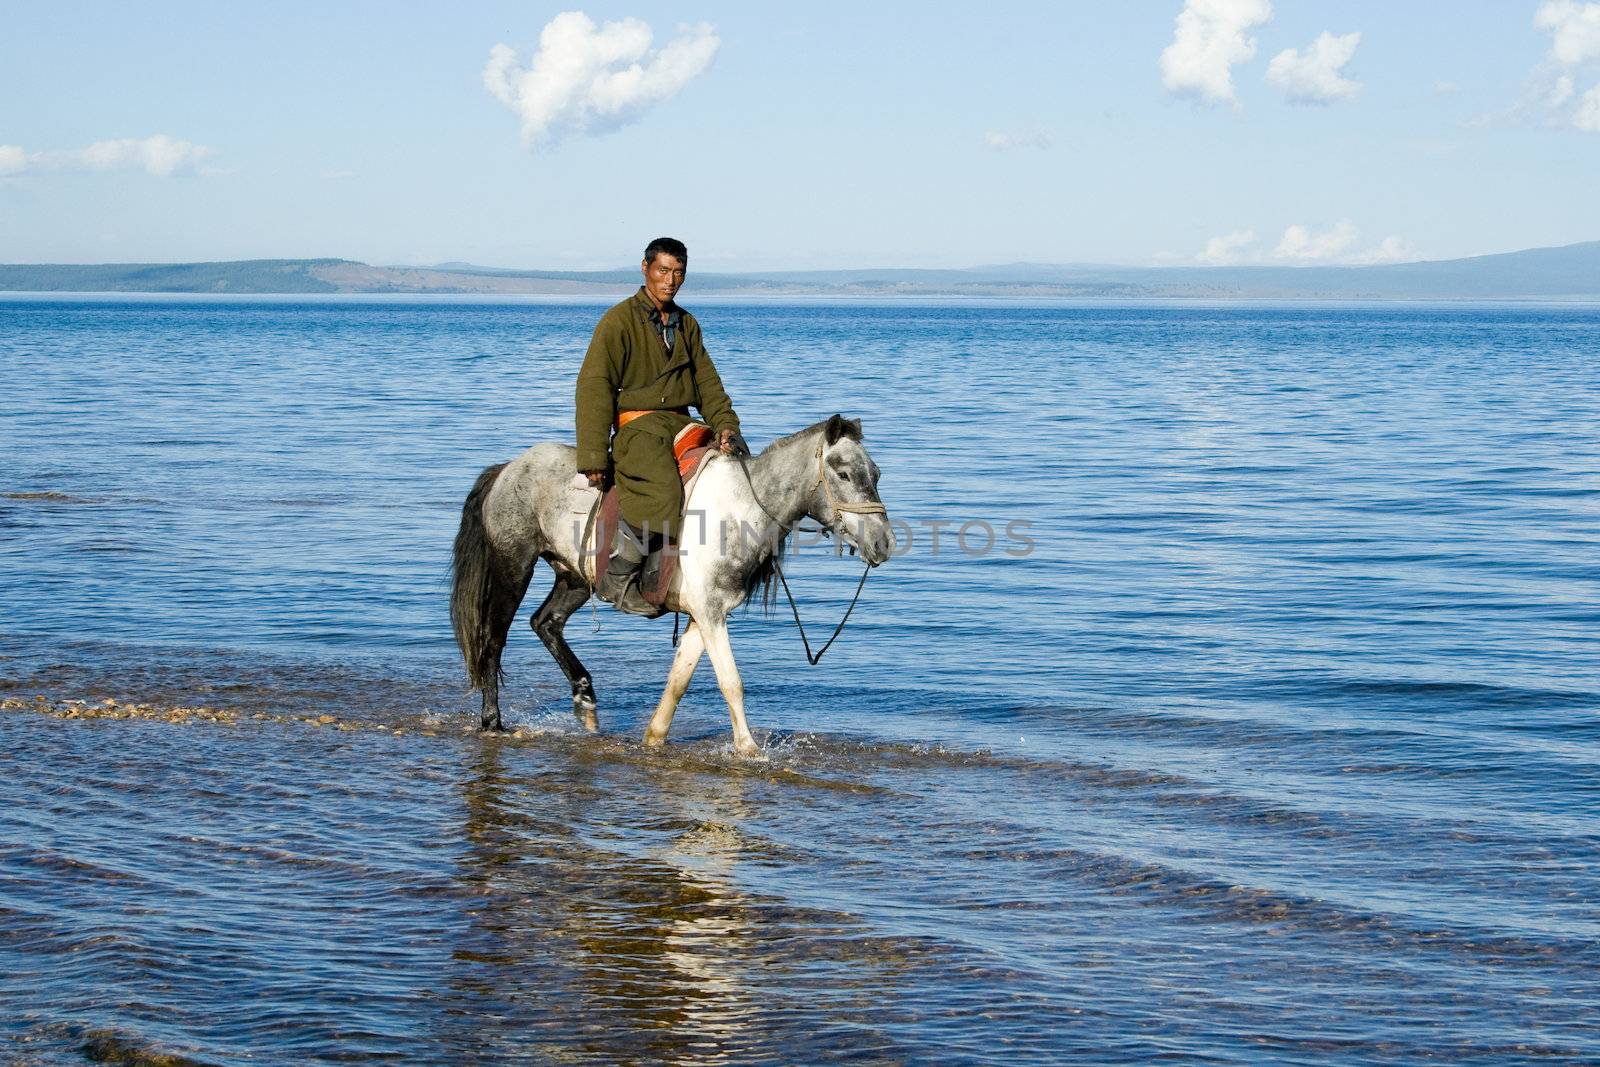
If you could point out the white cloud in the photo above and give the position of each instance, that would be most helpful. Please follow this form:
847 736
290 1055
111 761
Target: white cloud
1001 141
589 79
1315 78
1587 115
1209 38
1574 29
1337 245
1392 249
1299 242
159 155
1223 250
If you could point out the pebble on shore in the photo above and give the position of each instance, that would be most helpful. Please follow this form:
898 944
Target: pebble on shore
110 708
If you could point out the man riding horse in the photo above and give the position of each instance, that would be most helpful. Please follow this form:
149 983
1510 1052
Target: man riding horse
645 367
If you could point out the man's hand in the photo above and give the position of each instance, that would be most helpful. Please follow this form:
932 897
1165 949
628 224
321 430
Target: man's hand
730 442
596 478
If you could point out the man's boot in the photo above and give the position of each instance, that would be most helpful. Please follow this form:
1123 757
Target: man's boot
656 574
620 583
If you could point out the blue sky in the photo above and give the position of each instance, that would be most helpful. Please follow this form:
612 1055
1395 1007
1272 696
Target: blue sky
815 135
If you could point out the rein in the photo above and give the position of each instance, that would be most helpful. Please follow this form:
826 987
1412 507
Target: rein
838 509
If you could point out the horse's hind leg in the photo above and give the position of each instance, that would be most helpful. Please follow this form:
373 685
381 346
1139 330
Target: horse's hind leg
500 613
489 717
568 595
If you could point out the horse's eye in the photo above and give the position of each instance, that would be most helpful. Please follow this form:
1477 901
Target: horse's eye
845 475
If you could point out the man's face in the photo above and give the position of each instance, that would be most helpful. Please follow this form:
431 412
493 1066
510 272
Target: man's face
663 277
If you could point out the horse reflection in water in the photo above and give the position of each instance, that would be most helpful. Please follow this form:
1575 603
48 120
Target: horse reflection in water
574 948
521 512
609 917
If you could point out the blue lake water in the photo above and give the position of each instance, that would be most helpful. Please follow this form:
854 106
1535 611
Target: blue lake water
1266 730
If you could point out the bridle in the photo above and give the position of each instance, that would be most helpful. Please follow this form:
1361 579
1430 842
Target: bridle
836 509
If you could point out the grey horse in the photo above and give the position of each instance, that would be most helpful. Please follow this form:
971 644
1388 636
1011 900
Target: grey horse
738 514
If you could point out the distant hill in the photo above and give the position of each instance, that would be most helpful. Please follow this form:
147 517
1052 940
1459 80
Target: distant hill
1567 272
1571 272
244 276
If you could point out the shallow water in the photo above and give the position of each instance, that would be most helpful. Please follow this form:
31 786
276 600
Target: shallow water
1277 745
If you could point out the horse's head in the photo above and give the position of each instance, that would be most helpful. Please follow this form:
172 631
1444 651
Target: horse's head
846 493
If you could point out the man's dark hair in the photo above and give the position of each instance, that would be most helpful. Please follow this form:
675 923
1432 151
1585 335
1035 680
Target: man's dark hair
670 245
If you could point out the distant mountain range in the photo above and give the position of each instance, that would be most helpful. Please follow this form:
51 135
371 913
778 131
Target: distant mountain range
1571 272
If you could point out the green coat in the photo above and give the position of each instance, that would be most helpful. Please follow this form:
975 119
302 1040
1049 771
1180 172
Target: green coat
628 368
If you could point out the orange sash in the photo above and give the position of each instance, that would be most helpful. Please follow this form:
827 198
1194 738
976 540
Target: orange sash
625 417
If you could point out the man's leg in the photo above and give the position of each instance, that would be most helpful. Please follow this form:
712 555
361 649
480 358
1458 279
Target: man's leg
650 495
650 490
627 553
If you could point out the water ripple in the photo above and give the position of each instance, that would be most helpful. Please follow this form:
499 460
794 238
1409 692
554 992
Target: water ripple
1271 739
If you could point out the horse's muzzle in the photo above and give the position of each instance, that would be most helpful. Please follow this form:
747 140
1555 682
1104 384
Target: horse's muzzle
875 540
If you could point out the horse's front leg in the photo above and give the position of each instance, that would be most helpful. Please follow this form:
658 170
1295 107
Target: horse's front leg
716 638
690 648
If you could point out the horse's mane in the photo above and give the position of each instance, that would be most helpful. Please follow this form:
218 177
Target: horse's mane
762 583
851 428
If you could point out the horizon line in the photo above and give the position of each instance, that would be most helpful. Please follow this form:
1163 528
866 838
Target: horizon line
457 266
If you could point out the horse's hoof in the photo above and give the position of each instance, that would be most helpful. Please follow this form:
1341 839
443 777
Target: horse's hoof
653 740
585 714
750 751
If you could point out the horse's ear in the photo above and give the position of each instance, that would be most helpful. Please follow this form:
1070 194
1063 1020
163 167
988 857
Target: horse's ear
839 426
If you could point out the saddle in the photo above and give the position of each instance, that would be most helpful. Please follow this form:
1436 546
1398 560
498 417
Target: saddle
690 447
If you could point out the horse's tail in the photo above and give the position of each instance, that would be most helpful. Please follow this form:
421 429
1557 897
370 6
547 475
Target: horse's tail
475 585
